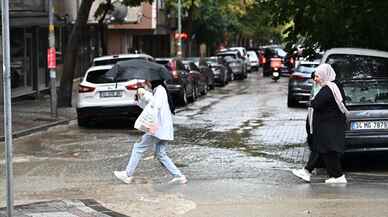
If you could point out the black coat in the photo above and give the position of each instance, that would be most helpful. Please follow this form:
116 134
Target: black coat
328 122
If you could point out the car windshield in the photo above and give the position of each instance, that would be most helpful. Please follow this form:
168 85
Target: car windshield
281 52
98 77
112 61
228 57
252 55
366 92
358 66
305 69
212 60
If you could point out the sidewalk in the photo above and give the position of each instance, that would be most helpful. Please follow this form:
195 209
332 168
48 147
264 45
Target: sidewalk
62 208
30 115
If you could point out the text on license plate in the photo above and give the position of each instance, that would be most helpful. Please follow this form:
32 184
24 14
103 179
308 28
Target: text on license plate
114 93
361 125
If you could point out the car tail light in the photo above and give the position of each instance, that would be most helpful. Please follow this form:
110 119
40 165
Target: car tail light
85 89
175 74
262 60
297 77
135 86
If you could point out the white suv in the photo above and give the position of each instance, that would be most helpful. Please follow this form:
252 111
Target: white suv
112 59
101 98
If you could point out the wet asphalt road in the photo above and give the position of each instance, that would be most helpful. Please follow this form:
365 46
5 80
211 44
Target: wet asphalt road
236 146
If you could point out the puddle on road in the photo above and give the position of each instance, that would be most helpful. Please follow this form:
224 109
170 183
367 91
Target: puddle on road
236 139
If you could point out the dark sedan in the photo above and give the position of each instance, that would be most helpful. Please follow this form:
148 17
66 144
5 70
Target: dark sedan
300 83
200 79
205 69
234 63
221 73
182 86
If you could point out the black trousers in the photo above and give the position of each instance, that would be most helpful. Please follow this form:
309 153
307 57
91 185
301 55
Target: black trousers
332 162
313 161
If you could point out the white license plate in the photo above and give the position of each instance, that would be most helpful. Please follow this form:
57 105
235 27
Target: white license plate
113 93
276 74
369 125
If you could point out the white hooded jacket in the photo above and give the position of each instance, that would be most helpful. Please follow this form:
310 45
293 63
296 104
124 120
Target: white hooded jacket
164 116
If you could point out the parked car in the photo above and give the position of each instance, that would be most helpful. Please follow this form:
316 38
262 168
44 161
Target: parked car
221 74
362 73
254 60
233 61
100 98
205 69
200 80
274 52
244 57
182 86
112 59
300 83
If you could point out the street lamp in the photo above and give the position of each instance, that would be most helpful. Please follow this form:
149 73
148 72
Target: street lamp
7 105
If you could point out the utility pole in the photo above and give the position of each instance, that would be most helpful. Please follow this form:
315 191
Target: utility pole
179 53
7 105
51 62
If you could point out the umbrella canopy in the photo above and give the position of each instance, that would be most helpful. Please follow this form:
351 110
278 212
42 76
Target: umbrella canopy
137 69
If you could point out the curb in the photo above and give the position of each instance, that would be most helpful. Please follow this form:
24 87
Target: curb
35 129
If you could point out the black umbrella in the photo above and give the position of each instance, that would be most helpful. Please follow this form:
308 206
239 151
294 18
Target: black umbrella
138 69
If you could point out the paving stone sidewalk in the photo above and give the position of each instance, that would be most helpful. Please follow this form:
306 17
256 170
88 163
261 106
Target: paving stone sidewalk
31 114
62 208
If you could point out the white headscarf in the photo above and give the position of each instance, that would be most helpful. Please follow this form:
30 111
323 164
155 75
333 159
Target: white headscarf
327 75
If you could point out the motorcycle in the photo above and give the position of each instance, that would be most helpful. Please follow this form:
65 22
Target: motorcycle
276 63
275 74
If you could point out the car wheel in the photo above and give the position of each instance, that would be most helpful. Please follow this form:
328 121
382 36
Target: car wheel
205 88
291 102
183 97
197 93
193 96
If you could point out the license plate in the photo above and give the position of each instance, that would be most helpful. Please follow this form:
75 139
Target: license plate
369 125
114 93
276 74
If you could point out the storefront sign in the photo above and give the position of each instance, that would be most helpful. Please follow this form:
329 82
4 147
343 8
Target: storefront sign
51 58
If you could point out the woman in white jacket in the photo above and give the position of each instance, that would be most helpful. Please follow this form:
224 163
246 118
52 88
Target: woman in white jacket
158 136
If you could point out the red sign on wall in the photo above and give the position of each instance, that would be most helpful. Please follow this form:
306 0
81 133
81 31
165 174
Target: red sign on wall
51 58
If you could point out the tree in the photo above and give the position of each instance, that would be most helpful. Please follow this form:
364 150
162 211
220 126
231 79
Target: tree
333 23
72 48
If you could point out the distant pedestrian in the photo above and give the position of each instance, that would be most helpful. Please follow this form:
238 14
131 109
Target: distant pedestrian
157 136
328 127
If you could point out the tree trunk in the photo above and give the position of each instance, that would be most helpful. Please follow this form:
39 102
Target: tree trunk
102 27
71 53
190 28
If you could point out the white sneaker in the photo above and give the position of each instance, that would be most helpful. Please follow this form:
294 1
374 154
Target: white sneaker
122 175
339 180
178 180
303 174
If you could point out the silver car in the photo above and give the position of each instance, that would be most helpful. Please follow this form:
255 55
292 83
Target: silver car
300 83
363 76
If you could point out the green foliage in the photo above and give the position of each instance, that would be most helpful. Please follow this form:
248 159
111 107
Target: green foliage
333 23
103 7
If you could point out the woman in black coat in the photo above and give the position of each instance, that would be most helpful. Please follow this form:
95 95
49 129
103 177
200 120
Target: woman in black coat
328 125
